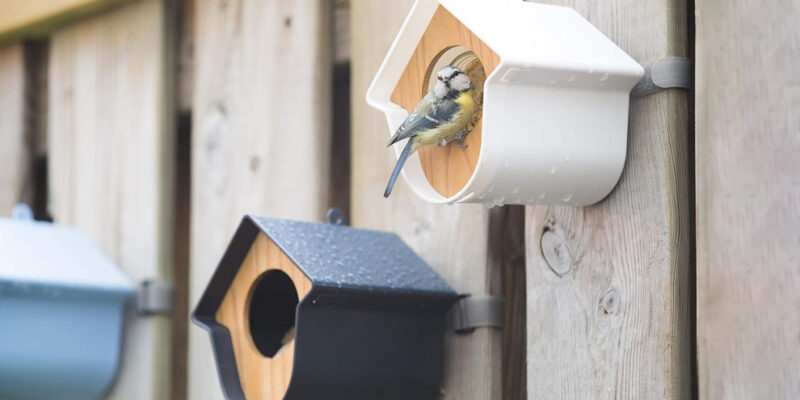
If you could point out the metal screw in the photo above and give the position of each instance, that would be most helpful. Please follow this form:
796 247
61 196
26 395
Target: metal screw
336 216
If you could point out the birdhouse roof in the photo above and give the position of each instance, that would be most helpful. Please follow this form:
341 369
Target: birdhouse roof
540 35
527 37
42 253
349 270
339 256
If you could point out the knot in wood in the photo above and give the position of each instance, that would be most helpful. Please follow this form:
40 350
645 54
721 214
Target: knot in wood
556 253
610 303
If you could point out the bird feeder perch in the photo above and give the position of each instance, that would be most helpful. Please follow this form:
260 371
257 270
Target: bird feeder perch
553 93
304 311
62 305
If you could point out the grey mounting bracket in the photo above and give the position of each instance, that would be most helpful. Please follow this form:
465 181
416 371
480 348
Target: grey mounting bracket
471 312
666 73
154 298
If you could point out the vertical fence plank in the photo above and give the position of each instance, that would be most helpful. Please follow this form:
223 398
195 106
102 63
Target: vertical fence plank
13 152
615 321
110 162
748 199
454 240
261 122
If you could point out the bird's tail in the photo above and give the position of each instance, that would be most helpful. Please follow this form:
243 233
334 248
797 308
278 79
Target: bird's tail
399 166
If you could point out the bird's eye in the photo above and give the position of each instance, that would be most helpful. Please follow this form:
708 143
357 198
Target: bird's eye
440 78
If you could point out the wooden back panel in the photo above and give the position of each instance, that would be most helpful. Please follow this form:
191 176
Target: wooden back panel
447 168
262 378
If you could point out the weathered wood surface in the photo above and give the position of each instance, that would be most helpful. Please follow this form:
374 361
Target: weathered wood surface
261 123
611 316
748 199
110 159
340 26
185 43
453 240
21 18
507 250
13 150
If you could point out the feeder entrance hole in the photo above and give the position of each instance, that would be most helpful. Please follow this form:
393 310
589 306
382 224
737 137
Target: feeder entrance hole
446 41
271 315
449 168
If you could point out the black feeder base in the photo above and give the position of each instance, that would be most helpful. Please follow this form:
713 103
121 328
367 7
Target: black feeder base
356 314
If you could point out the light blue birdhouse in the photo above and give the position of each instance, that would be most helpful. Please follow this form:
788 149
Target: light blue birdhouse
62 306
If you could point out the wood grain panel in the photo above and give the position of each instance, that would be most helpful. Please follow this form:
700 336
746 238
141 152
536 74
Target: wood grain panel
748 199
13 151
110 163
262 378
609 301
447 168
261 133
452 239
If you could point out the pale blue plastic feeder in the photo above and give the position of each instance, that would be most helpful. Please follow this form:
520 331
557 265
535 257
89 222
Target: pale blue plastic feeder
62 307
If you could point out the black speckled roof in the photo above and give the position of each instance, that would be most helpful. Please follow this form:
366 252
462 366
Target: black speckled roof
341 256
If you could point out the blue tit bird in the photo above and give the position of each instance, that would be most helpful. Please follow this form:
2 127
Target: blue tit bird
442 116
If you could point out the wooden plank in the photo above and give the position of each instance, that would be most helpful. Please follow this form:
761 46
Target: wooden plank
13 151
36 59
340 27
27 18
453 240
110 149
182 215
610 316
339 182
507 251
748 192
261 122
185 40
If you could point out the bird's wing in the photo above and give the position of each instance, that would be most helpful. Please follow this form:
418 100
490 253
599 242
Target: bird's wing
419 120
444 112
414 124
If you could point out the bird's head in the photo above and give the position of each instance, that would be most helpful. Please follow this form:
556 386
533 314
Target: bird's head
451 81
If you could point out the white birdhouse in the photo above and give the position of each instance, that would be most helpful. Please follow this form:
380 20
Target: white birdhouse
553 90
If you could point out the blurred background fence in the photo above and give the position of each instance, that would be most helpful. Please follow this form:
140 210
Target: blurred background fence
155 125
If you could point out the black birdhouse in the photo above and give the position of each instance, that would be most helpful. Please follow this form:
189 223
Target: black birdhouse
302 310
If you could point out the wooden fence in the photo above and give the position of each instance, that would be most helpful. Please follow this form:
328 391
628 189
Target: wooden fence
155 125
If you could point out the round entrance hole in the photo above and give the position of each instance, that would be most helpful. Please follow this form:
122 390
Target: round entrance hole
448 169
272 306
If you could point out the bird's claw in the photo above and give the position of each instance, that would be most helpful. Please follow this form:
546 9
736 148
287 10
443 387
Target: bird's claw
459 139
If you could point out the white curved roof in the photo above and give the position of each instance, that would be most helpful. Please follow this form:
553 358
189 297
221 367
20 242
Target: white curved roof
540 35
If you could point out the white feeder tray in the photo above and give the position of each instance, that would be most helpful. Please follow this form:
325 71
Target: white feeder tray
555 102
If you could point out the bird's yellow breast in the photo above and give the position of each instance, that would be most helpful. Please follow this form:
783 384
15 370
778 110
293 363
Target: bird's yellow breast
458 123
466 100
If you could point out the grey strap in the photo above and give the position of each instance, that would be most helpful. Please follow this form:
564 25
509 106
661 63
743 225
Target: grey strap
472 312
666 73
154 298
